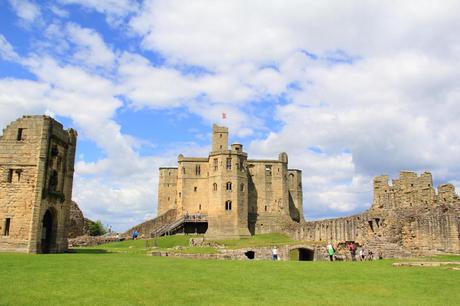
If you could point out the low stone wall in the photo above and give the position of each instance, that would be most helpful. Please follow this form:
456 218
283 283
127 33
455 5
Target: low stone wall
87 241
260 253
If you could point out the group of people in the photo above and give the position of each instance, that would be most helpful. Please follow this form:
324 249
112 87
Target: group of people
352 248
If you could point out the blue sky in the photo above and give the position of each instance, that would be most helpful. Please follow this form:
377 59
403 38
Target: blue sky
349 90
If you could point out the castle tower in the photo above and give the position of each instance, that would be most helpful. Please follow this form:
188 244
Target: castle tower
228 188
36 175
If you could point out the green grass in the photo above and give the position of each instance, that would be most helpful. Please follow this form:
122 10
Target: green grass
93 277
258 240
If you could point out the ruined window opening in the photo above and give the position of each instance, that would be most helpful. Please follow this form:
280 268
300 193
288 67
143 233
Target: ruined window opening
429 185
412 185
237 149
250 254
54 151
199 207
20 134
221 146
216 166
242 187
268 170
195 189
229 185
228 205
220 135
197 170
10 175
266 208
214 187
6 231
180 194
377 221
19 172
229 163
445 199
371 225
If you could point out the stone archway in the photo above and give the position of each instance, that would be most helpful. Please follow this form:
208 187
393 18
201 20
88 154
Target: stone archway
49 232
302 254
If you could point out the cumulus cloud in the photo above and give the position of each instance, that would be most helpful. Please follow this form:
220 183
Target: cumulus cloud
355 89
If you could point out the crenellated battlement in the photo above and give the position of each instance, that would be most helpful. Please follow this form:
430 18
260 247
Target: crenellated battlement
410 190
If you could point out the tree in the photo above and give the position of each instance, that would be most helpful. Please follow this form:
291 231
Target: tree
96 228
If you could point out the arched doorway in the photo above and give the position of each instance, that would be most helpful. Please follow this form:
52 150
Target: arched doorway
49 225
302 254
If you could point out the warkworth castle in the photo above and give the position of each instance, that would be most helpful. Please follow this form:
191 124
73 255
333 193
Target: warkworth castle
237 196
224 195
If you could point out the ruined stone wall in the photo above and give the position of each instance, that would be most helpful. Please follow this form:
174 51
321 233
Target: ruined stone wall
36 160
407 218
78 225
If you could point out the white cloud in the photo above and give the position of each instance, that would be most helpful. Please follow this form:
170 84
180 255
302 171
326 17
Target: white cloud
28 11
6 50
91 49
115 10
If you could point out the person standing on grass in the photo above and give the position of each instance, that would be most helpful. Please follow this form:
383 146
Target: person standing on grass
330 251
275 253
362 254
352 248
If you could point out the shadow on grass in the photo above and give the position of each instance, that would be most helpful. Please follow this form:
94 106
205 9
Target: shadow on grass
89 251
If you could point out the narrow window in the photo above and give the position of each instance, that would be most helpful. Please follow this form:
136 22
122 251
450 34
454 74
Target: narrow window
371 226
229 186
220 135
169 198
183 170
6 231
266 208
18 172
195 188
242 187
268 170
229 163
10 175
214 187
215 161
20 134
180 194
199 207
228 205
197 170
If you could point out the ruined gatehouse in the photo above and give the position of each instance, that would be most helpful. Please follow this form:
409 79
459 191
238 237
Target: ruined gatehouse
36 175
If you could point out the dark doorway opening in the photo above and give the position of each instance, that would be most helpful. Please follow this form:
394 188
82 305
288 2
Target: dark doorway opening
48 242
302 254
250 254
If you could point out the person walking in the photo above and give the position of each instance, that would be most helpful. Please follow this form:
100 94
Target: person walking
330 251
352 248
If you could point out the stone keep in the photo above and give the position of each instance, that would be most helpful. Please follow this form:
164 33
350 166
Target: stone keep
240 196
36 174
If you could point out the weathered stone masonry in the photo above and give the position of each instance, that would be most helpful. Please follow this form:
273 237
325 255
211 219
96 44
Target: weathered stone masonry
407 218
36 174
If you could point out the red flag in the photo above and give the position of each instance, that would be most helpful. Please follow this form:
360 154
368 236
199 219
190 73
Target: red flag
224 115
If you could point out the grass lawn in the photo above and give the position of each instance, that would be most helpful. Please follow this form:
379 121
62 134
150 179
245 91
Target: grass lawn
120 274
